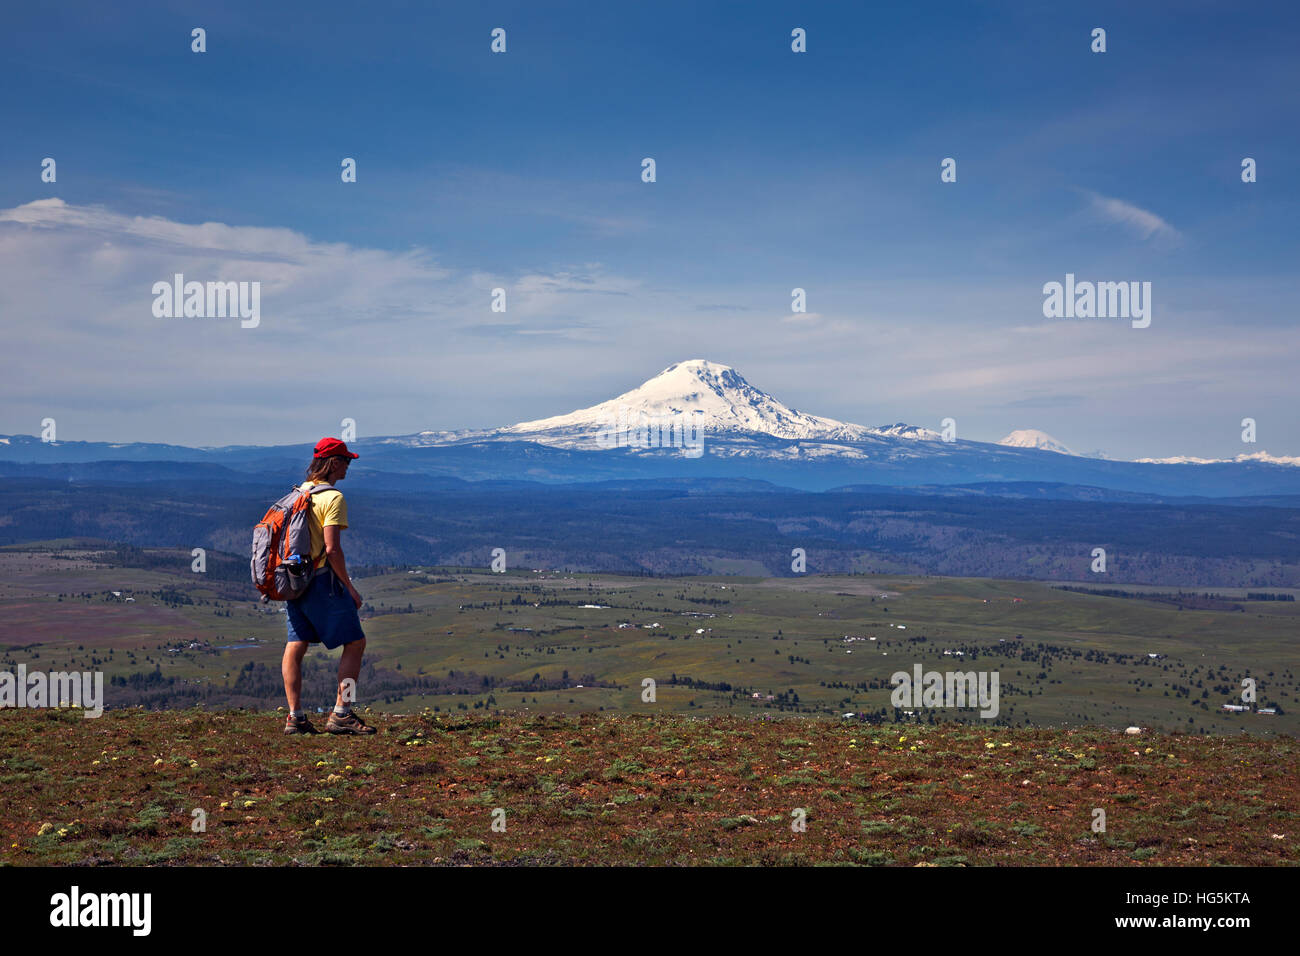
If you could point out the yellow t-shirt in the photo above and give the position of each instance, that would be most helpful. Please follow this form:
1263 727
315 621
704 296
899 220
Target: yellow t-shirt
327 508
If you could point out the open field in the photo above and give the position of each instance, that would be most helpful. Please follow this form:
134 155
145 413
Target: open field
551 642
632 789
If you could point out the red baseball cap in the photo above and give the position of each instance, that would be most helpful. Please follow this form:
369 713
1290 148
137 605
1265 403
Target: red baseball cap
330 447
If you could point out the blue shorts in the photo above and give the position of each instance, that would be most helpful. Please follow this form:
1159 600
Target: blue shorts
325 614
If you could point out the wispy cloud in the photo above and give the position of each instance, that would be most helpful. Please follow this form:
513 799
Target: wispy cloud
568 329
1142 222
400 342
373 322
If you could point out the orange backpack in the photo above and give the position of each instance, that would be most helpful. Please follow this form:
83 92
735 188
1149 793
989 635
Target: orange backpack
282 566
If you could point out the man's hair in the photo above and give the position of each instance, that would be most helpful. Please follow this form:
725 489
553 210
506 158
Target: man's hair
321 467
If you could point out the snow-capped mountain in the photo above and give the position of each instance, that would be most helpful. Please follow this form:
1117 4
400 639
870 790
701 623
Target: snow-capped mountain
697 420
711 399
1033 438
714 398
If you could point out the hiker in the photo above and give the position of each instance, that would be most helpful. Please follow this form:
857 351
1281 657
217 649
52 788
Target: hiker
327 612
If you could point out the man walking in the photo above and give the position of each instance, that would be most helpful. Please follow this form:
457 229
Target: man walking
327 612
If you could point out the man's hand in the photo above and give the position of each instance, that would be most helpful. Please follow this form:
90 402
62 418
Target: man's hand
336 561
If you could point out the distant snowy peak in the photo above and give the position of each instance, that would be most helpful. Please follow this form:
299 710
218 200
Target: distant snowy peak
696 402
1033 438
1261 456
900 430
714 398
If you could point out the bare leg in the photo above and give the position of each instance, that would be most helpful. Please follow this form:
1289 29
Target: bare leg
291 671
350 669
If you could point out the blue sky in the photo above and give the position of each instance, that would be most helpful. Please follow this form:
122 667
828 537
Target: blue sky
775 170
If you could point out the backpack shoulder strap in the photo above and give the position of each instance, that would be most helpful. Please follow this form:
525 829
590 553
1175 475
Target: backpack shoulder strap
315 488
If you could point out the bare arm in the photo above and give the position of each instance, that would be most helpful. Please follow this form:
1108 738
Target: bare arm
334 558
